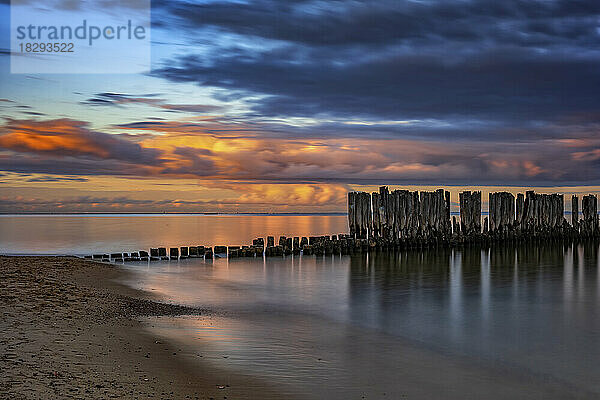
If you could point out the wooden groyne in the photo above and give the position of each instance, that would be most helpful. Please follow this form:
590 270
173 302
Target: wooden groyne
411 219
405 218
307 245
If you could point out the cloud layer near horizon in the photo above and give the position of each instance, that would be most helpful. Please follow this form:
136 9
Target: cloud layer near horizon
258 153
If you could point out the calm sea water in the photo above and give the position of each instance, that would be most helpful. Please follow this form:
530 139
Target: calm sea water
476 323
468 323
104 233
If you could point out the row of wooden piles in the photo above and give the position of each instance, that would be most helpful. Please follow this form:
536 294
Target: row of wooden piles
311 245
386 217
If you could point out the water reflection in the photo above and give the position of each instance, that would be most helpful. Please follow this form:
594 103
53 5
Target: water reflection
109 233
533 311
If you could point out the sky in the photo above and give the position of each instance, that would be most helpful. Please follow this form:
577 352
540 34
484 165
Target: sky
284 106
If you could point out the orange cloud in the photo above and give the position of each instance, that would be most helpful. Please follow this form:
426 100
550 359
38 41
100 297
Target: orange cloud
257 154
60 135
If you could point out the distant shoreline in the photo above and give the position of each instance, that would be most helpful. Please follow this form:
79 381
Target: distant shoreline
173 213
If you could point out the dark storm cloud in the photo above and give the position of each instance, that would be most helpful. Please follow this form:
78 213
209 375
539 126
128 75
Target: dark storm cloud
367 22
486 86
121 99
481 59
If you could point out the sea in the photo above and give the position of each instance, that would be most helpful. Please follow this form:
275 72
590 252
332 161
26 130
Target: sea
356 326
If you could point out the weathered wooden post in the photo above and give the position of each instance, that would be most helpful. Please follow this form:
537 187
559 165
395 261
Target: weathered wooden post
351 213
220 250
303 241
589 205
414 207
464 199
447 216
162 253
520 210
383 210
376 215
470 212
492 211
455 226
424 211
233 251
183 252
575 212
368 218
476 211
358 214
509 210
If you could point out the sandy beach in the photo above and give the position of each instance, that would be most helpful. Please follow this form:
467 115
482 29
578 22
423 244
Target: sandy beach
69 330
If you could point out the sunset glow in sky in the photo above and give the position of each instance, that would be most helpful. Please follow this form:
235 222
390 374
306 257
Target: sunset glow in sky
284 106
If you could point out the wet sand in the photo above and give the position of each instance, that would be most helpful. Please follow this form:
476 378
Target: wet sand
68 329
